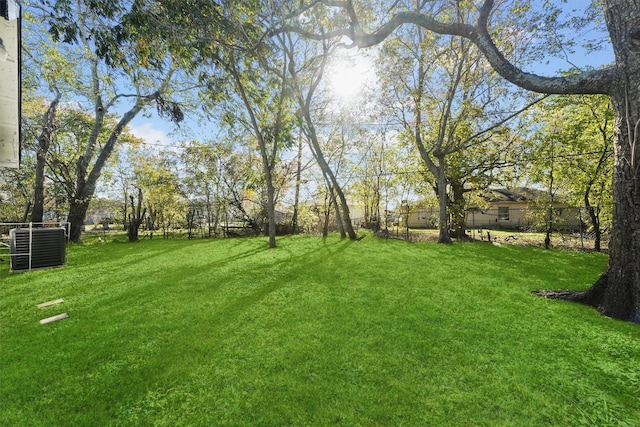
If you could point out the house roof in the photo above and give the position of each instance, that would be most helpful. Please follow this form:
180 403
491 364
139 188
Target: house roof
518 194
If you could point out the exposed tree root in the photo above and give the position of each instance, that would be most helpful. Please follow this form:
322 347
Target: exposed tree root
577 296
596 296
592 296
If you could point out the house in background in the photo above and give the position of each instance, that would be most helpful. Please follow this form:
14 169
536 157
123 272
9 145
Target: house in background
508 209
420 216
521 208
511 209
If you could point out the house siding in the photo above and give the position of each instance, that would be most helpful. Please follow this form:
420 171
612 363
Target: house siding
506 210
491 218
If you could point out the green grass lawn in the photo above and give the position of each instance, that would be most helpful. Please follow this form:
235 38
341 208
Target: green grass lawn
315 332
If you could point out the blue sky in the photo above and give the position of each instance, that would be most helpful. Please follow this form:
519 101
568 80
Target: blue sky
158 132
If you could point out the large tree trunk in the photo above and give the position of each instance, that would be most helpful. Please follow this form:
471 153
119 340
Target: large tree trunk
77 214
457 206
86 180
617 292
135 218
621 298
339 216
441 187
44 142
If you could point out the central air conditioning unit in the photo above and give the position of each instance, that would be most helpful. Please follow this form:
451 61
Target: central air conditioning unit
33 248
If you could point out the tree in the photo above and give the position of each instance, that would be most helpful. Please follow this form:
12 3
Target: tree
371 175
617 291
305 86
267 113
545 170
575 140
453 108
243 186
156 179
225 43
16 186
592 182
296 201
44 142
47 71
114 57
202 165
72 130
118 180
135 217
251 76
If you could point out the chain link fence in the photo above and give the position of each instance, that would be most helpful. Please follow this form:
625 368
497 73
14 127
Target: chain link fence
570 227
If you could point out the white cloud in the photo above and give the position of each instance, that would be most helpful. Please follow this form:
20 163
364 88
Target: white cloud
148 134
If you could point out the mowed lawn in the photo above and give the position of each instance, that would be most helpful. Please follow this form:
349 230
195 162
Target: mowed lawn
315 332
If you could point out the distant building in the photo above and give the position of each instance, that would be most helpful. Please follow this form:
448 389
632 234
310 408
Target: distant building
512 209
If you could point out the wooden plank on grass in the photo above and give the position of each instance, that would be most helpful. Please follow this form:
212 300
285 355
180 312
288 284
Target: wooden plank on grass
54 318
48 303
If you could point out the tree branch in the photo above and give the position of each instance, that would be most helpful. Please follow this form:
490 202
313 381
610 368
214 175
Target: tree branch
587 82
470 140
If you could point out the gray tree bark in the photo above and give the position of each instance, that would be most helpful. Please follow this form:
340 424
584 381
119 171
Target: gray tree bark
44 142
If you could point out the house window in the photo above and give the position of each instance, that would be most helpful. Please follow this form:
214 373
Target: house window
503 214
422 215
